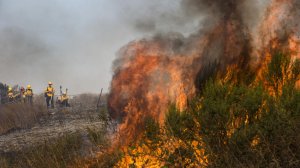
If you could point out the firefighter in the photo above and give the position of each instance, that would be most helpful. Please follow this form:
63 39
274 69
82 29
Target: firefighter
10 94
49 94
64 100
22 94
29 95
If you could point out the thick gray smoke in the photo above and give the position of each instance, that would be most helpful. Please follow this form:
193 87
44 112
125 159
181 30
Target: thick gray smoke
240 18
44 41
73 42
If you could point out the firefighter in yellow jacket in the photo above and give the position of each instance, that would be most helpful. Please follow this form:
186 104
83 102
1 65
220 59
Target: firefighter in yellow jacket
29 95
49 94
10 94
23 95
64 100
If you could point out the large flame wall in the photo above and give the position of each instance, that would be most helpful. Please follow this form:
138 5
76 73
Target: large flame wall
151 73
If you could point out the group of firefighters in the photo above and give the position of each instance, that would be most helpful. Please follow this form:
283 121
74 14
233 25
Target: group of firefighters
26 96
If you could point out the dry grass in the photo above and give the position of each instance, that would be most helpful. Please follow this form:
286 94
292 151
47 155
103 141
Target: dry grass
89 100
66 151
19 116
63 151
55 153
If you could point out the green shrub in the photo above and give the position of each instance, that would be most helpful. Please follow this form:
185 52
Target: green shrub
152 129
242 124
179 124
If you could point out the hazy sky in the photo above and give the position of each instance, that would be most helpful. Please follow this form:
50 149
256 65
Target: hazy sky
73 42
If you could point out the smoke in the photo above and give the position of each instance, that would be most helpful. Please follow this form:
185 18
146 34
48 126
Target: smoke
151 17
170 67
66 41
31 36
71 42
22 45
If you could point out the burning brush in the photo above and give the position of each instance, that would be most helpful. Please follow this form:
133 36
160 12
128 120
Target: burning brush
152 73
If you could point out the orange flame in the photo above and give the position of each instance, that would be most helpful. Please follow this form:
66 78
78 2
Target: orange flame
152 73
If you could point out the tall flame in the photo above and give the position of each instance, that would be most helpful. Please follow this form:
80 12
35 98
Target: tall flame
151 73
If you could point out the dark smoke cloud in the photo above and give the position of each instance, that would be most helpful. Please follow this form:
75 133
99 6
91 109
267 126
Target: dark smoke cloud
145 25
214 10
194 17
240 21
150 17
18 46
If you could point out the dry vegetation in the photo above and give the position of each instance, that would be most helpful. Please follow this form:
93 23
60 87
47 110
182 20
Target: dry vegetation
89 100
19 116
63 151
66 151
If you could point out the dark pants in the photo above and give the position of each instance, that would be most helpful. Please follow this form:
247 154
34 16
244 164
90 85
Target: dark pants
29 100
65 103
49 100
10 99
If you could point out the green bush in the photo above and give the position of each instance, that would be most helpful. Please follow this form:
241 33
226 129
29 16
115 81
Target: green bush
179 124
242 124
152 129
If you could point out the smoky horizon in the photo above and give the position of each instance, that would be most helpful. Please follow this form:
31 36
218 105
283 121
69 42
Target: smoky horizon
73 43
